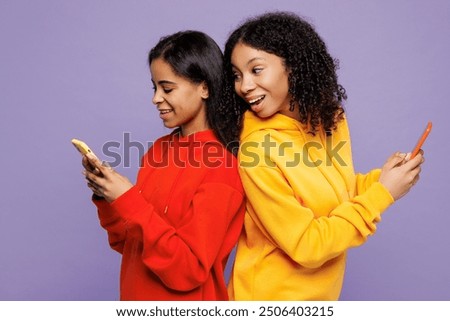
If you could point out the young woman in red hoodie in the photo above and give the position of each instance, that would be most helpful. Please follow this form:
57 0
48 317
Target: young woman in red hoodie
176 227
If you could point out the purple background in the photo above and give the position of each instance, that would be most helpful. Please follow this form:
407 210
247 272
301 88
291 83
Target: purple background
78 69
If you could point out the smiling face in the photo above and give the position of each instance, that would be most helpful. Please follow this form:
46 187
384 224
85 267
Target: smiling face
181 103
261 79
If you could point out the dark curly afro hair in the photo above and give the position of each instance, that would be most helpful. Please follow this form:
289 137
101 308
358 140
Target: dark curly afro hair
312 71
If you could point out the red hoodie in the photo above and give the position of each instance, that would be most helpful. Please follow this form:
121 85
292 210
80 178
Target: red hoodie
177 226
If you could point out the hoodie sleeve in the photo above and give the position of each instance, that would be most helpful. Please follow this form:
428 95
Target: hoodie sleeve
309 240
112 223
364 181
182 256
109 218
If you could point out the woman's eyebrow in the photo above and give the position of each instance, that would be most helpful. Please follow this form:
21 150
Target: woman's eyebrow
165 82
253 59
249 62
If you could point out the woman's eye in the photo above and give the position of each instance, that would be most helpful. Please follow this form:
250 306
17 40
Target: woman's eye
236 77
257 70
167 90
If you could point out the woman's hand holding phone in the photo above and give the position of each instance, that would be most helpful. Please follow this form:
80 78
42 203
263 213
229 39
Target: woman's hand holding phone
399 176
401 171
107 183
102 179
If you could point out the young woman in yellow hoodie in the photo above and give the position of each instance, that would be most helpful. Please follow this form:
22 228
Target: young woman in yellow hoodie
305 204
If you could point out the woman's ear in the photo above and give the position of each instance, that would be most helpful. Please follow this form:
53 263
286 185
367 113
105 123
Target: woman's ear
204 92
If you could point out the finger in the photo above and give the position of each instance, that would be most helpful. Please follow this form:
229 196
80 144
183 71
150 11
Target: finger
416 179
420 156
88 166
90 181
102 169
94 178
93 184
106 165
420 152
413 175
94 161
415 162
416 170
393 156
395 160
405 157
95 189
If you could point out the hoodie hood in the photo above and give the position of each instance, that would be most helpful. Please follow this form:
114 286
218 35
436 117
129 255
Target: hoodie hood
278 122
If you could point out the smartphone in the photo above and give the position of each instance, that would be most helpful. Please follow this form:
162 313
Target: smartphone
82 147
421 140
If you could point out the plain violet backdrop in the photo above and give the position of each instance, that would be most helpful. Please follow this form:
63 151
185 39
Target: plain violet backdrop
78 69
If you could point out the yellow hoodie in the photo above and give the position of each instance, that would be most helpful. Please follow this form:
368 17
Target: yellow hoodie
305 208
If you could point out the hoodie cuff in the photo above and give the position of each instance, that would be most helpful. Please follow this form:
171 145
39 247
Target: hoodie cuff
376 199
369 207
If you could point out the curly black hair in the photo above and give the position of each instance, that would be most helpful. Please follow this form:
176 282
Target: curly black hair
197 57
311 69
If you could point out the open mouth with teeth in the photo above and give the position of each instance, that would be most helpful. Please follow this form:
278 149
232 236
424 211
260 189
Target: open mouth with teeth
256 101
165 111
